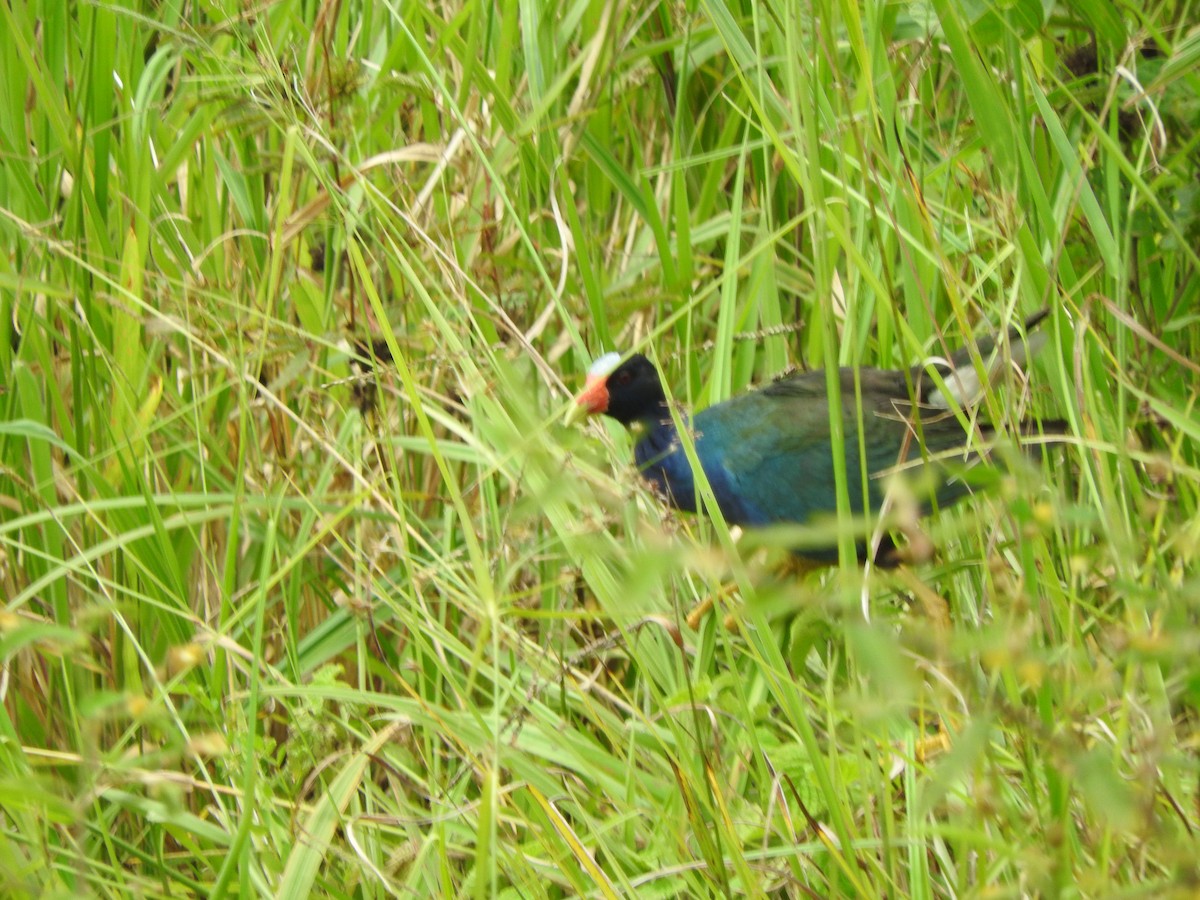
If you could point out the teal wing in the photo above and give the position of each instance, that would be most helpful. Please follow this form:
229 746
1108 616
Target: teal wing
769 451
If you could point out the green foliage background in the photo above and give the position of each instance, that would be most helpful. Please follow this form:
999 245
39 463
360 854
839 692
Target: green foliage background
309 591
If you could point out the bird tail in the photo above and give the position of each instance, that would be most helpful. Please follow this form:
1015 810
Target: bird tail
962 377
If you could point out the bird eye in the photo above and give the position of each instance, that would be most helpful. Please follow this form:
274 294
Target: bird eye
623 377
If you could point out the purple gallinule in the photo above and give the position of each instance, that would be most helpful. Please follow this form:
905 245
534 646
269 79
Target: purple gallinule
767 453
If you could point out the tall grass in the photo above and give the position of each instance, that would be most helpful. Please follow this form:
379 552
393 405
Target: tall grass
308 589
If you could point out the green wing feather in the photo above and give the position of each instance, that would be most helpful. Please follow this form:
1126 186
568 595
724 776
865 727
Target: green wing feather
773 445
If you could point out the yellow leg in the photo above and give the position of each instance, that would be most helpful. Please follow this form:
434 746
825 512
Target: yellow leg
793 566
701 609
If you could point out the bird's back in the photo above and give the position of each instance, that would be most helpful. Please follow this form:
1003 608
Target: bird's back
772 449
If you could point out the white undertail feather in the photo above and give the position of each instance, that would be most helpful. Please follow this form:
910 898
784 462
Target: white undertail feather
963 386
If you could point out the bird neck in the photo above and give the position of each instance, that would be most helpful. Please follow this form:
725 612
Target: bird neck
655 418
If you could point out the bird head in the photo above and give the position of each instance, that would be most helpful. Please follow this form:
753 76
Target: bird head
627 391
